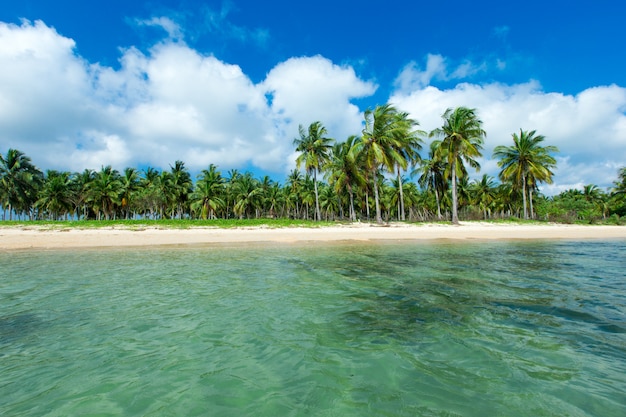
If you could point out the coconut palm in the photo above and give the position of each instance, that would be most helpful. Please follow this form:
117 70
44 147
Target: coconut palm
483 193
407 151
55 197
431 174
19 182
329 201
307 195
229 193
619 186
597 198
80 192
104 192
382 144
526 163
399 194
344 172
150 199
314 150
181 186
207 195
274 199
462 137
247 195
293 190
130 185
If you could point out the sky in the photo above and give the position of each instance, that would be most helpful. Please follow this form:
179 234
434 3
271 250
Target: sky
141 83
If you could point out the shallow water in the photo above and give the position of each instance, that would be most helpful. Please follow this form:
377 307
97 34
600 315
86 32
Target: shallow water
392 329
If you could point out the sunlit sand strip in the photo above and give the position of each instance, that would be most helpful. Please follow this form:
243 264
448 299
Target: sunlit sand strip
12 238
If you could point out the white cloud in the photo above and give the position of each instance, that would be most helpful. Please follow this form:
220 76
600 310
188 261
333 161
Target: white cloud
437 69
167 104
589 128
173 102
43 84
305 90
173 29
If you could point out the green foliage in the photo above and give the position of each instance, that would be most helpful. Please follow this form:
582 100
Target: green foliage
363 174
169 223
462 137
589 206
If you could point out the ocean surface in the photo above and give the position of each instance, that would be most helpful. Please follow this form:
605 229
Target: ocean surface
533 328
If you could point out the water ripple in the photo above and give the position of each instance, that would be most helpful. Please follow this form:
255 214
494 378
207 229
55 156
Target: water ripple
524 329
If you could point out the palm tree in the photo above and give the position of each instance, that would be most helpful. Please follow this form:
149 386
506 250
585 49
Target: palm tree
618 193
274 199
55 197
483 193
181 186
431 173
294 187
344 171
597 198
619 186
525 163
150 198
231 180
207 195
329 201
307 195
314 150
265 184
166 193
104 191
19 181
80 192
398 195
462 139
382 144
130 185
247 195
407 151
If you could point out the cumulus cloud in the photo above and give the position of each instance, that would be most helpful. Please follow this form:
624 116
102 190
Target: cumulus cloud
589 128
169 103
172 102
304 90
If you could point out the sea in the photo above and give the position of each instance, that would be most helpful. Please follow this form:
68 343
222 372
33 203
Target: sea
398 328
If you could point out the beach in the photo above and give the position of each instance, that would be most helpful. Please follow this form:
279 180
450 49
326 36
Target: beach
35 237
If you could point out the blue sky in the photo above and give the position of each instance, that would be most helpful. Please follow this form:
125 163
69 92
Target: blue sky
227 82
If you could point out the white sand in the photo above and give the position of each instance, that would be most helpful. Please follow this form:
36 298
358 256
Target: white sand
12 238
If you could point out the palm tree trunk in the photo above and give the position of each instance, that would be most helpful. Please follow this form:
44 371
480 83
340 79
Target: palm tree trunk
379 218
401 195
398 209
524 197
530 201
455 213
318 215
352 213
438 205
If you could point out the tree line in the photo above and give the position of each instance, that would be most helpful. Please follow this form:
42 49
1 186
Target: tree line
379 175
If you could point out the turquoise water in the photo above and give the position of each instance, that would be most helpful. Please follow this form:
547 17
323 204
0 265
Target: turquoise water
396 329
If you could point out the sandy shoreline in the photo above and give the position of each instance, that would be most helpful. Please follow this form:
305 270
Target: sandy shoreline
16 238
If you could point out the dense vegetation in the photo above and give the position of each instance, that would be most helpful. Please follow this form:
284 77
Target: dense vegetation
380 175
